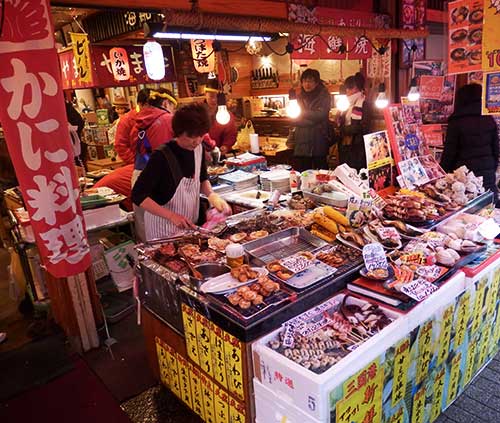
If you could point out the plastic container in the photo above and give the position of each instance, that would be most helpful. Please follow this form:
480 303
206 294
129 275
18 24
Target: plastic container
235 255
294 181
254 143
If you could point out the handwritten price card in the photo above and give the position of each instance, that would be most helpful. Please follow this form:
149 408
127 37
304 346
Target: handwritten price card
203 338
196 392
463 313
437 398
424 350
161 353
189 320
221 406
218 358
445 334
470 368
208 399
236 412
401 364
234 365
454 382
184 380
418 409
477 314
362 396
398 416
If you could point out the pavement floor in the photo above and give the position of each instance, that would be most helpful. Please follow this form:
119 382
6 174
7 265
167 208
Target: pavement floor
480 402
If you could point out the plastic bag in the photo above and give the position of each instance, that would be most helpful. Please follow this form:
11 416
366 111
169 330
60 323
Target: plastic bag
243 137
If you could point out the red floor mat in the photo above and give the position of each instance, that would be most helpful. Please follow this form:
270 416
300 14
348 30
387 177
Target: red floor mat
77 396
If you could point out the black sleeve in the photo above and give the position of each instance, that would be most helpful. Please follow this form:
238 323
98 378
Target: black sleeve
311 117
155 181
448 159
74 117
203 170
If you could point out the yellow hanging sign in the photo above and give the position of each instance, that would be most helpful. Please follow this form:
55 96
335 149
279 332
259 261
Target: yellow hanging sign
204 349
437 399
218 357
477 314
189 321
463 313
234 365
81 51
445 334
424 350
401 364
454 382
491 36
418 410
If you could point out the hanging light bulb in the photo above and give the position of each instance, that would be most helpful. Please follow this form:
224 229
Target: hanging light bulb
222 116
381 102
413 94
341 100
293 109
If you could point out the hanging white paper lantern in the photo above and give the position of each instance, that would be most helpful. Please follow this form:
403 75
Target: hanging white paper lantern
154 60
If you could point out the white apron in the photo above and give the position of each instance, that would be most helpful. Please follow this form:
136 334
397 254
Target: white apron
186 202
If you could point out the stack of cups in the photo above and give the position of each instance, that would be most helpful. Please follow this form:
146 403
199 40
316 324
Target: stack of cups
254 143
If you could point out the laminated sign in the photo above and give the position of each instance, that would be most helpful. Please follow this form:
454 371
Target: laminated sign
33 117
81 51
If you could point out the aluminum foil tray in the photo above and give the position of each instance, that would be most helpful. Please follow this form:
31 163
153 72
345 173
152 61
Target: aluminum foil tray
282 244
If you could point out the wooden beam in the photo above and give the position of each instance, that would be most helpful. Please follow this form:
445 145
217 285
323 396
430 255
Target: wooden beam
271 9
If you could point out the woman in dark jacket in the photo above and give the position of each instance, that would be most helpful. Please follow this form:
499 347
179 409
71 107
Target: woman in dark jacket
472 139
354 123
311 136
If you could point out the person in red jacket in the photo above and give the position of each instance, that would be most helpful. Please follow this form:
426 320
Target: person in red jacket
119 182
224 135
124 144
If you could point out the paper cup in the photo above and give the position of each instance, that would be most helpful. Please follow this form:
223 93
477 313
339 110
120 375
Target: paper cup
254 143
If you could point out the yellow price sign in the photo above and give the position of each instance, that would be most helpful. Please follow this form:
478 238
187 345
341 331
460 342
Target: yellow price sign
454 382
445 335
184 381
236 412
437 398
483 347
470 368
234 365
463 313
398 416
477 314
401 364
208 399
161 353
196 392
424 350
221 406
218 357
491 299
204 347
189 321
173 367
418 409
362 396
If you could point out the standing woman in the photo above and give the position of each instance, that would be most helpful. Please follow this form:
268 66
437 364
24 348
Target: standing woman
472 139
354 123
169 187
312 135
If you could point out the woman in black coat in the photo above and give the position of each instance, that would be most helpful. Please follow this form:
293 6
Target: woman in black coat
312 135
354 123
472 139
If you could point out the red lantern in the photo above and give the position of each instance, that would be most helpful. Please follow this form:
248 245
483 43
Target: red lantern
119 64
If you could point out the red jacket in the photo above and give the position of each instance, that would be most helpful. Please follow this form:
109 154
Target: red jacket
159 124
224 134
124 144
120 182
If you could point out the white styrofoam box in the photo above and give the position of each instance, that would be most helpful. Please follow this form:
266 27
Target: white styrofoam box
446 294
271 408
310 391
95 218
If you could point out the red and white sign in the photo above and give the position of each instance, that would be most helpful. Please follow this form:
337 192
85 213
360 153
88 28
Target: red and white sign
33 117
431 87
119 64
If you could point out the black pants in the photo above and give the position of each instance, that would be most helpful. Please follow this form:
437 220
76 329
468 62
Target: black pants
305 163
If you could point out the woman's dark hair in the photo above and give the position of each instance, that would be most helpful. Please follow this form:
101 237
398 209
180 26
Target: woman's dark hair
192 119
311 74
468 94
157 101
355 81
143 96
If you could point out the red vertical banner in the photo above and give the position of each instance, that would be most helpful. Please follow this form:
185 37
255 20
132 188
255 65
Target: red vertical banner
33 117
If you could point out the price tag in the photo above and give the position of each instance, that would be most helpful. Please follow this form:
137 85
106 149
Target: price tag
431 273
374 257
401 365
489 229
419 289
384 233
437 399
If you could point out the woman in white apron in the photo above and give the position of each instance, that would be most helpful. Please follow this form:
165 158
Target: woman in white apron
169 187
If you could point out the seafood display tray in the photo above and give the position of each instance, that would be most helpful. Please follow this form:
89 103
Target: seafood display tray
282 244
254 311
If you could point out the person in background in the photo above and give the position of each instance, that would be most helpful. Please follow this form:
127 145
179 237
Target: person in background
119 182
354 123
311 136
223 135
121 107
124 143
472 139
169 187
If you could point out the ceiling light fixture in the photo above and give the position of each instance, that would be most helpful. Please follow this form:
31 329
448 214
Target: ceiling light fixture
222 116
220 37
413 94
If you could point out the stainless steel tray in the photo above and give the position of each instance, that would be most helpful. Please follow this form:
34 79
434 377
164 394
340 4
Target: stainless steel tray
282 244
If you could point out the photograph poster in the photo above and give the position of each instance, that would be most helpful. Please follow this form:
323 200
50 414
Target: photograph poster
491 93
379 161
413 173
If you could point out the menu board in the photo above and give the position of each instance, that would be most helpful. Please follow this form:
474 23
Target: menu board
465 23
437 90
491 93
491 38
